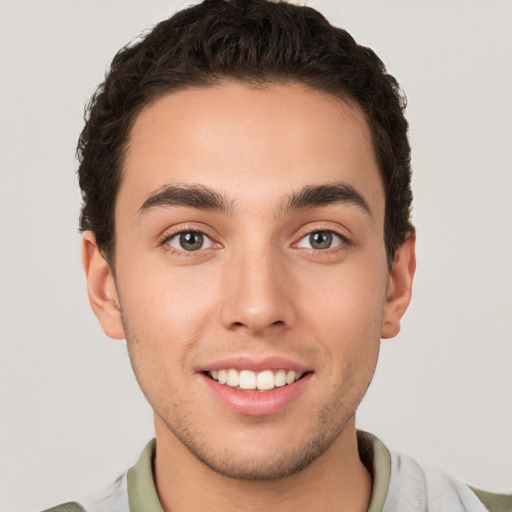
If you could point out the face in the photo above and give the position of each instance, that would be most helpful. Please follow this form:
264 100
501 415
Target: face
251 272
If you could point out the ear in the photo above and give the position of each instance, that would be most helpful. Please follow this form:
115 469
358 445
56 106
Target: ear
399 287
101 288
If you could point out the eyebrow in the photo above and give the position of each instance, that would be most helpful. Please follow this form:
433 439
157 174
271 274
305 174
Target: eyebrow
313 196
192 196
205 198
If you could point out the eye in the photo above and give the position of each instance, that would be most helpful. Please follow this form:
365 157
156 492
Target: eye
320 240
190 241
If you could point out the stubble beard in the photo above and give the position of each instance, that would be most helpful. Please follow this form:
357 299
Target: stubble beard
239 466
332 419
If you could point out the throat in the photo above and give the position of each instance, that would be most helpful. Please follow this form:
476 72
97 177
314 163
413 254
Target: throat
335 481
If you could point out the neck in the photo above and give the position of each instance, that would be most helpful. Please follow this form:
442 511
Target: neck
337 480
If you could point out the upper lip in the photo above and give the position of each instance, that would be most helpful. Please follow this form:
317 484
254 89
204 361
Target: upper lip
255 364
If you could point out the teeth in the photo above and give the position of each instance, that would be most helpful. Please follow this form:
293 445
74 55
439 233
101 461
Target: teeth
222 376
233 379
247 379
265 380
280 378
290 377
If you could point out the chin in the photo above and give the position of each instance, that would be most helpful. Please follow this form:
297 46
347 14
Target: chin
253 459
242 467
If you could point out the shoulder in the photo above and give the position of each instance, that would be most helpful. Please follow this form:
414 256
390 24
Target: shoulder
416 487
71 506
494 502
134 487
111 498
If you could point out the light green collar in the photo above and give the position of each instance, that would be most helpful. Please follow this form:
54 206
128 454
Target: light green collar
377 460
142 494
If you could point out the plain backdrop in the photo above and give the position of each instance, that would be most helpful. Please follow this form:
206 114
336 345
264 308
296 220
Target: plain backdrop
72 416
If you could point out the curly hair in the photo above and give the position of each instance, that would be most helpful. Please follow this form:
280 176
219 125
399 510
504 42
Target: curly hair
251 41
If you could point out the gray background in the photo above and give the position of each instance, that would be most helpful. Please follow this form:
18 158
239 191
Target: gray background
72 417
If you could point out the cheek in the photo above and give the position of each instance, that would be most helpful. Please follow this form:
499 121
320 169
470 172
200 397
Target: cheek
344 315
164 322
347 303
166 305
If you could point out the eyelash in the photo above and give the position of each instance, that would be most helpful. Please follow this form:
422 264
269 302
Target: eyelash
344 241
164 241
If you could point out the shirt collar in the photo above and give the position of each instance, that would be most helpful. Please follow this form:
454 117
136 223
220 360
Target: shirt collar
143 497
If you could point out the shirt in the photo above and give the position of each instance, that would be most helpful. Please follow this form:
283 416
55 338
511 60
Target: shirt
399 484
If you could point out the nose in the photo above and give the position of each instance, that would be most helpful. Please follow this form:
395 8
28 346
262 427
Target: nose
257 294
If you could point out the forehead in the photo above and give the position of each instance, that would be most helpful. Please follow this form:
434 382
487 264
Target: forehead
251 143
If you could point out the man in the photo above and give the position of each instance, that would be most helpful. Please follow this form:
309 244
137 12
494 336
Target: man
245 171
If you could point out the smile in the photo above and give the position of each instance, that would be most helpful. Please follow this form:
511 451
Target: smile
249 380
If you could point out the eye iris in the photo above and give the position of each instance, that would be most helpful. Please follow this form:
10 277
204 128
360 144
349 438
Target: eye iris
191 241
320 240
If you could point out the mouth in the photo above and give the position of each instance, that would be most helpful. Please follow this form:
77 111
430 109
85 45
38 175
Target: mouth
252 387
248 380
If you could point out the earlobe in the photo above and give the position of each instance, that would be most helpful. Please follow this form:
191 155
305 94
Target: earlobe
101 288
399 287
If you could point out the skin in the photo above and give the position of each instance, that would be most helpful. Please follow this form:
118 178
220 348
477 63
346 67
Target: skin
258 289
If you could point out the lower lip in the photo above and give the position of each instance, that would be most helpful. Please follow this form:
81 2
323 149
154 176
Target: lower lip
257 403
